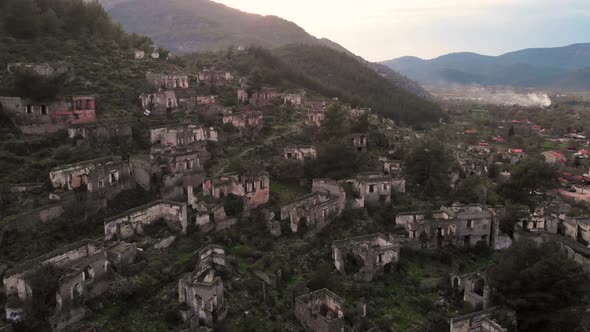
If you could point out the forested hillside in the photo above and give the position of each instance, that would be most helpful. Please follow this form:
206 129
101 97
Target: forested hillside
83 35
358 84
185 26
202 25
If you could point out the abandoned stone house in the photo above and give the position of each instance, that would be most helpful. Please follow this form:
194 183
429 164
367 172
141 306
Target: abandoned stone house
39 118
300 153
542 219
372 188
109 175
317 104
473 166
393 168
202 290
213 218
176 159
43 68
139 54
104 132
214 77
264 97
167 81
460 225
242 95
313 211
159 102
249 123
356 113
479 321
132 222
577 229
331 187
121 256
321 311
81 272
315 117
365 257
181 135
359 142
253 189
475 287
295 99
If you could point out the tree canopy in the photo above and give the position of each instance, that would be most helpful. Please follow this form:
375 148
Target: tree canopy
529 177
428 166
546 288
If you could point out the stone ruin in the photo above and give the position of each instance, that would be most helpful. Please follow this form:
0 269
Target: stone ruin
577 229
42 118
365 257
253 189
202 290
101 133
264 97
321 311
210 76
461 225
167 81
315 211
295 99
300 153
176 159
475 288
248 123
359 142
372 189
81 272
109 175
132 222
43 68
159 102
315 117
480 321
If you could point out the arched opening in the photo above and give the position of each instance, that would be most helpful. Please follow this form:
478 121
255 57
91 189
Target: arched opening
456 283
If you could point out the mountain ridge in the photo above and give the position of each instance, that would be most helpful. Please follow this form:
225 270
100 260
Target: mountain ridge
531 67
202 25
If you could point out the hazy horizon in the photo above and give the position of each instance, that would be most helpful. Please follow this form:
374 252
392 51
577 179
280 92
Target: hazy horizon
387 29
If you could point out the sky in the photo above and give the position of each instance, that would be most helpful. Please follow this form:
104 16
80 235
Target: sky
386 29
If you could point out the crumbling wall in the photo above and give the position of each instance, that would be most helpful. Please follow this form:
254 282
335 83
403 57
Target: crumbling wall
321 311
376 252
132 222
313 211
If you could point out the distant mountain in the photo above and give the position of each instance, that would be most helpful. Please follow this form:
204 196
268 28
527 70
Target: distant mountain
560 67
185 26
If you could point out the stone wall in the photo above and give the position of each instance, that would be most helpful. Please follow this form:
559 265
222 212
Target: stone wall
321 311
131 223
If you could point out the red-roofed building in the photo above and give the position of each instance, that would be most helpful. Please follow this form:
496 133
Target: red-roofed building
498 139
471 131
554 157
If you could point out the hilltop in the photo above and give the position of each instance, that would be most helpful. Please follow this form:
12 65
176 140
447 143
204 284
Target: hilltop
559 67
186 26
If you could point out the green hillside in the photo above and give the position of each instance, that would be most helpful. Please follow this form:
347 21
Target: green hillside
358 84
